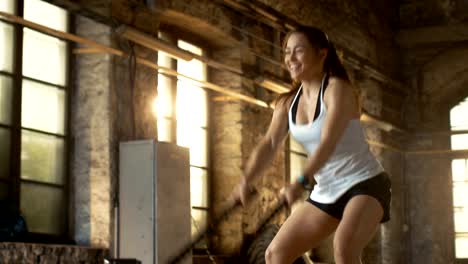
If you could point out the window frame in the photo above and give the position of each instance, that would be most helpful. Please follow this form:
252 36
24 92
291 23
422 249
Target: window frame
456 156
14 179
173 39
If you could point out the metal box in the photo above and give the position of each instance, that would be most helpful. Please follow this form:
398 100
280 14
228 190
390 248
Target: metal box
154 201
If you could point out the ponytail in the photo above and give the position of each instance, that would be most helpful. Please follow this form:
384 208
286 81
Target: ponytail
333 65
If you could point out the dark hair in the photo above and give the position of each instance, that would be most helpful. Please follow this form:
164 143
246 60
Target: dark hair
318 39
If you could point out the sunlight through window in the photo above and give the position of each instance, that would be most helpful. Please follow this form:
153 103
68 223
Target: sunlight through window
43 92
43 53
49 117
7 6
46 14
189 115
163 103
459 121
6 47
199 181
191 104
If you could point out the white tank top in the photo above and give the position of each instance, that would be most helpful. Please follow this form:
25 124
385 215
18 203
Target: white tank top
351 162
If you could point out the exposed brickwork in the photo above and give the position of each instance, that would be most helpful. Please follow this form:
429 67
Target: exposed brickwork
436 71
435 81
14 253
226 152
93 134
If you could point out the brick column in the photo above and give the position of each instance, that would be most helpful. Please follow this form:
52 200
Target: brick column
226 152
93 136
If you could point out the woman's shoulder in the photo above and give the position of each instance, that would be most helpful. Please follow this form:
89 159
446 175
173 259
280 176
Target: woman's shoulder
341 92
338 81
338 86
284 103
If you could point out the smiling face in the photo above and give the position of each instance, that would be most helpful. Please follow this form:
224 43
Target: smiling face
303 60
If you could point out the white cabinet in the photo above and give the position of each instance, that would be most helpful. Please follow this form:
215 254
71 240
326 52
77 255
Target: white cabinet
154 201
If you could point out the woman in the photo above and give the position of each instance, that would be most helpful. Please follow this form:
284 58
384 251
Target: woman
352 191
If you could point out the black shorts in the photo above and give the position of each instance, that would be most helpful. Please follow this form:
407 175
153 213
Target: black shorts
378 187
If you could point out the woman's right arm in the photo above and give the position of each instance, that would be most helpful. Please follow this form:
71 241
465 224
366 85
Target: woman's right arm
266 149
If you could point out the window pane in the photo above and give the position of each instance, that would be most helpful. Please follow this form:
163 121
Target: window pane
198 187
5 143
42 158
6 47
460 141
45 14
461 220
164 60
43 107
43 208
6 99
297 165
461 245
199 219
164 130
460 189
194 69
194 138
459 170
7 6
458 120
295 146
3 191
164 100
191 104
189 47
44 57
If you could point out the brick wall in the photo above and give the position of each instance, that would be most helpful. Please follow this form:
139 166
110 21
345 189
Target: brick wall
363 29
93 134
421 191
13 253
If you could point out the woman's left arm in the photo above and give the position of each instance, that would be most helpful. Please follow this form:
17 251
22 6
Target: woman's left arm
342 106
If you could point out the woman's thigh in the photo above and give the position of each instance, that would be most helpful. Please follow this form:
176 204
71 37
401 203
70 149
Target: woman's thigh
359 224
304 229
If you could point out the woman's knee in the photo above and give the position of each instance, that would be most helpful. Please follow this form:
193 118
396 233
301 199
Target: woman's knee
344 252
270 253
273 253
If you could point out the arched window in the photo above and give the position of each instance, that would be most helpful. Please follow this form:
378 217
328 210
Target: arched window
459 141
182 118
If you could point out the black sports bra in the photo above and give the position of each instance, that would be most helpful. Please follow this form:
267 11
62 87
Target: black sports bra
318 104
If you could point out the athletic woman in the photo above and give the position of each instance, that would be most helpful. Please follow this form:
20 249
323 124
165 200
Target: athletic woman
352 193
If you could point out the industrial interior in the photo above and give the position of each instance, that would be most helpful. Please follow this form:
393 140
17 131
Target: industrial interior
126 124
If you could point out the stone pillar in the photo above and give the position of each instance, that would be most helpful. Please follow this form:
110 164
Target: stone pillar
371 94
382 248
256 121
237 129
92 165
226 151
430 207
395 229
430 204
